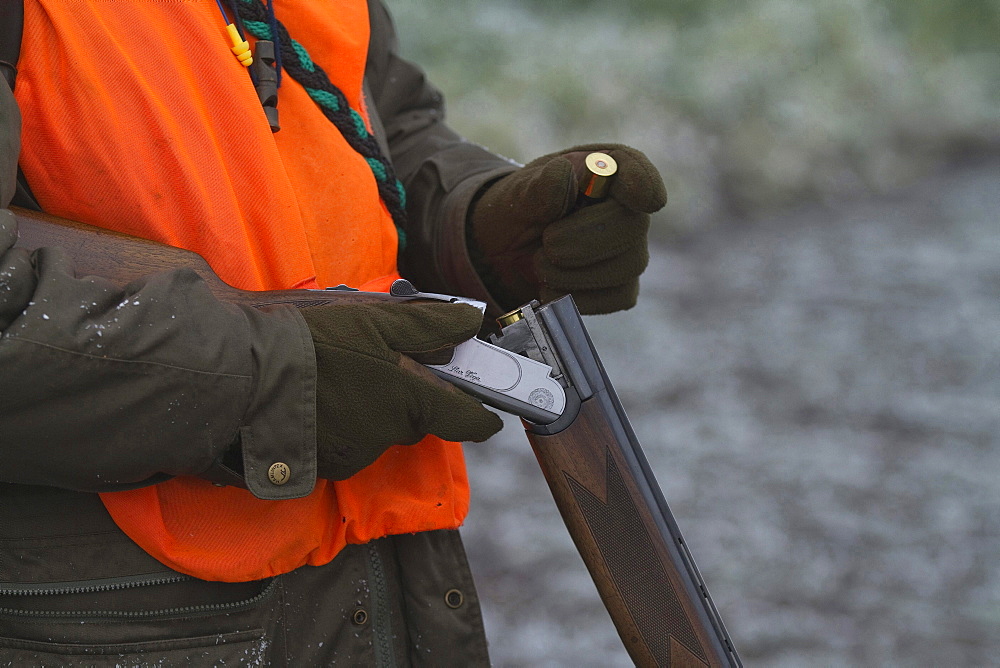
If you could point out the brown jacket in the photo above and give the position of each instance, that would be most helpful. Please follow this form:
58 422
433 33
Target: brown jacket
72 586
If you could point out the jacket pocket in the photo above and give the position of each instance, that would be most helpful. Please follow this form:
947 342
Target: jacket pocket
163 618
223 649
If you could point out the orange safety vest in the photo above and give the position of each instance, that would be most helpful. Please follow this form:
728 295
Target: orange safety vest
138 118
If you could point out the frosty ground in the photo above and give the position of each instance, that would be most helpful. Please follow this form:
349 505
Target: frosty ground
819 397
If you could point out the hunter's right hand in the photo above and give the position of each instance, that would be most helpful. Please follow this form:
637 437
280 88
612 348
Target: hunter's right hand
371 395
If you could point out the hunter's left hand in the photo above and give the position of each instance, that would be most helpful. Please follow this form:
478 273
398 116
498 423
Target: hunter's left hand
529 241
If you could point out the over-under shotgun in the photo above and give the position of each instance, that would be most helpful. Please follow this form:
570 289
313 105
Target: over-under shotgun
595 468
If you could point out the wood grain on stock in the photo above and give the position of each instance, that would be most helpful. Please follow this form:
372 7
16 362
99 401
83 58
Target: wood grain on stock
112 255
641 590
122 258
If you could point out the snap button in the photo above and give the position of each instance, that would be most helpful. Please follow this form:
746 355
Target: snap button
360 617
454 599
279 473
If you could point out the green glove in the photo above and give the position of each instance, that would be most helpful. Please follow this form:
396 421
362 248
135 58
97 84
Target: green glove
370 396
528 242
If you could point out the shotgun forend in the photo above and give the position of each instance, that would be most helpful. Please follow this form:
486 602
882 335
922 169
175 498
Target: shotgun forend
542 367
611 503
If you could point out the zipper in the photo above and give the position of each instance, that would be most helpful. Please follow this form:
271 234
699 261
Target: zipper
90 586
381 624
119 584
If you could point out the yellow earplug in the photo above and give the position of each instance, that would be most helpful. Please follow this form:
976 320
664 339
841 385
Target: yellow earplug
241 47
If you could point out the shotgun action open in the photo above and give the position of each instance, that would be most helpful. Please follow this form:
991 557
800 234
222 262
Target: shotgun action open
543 367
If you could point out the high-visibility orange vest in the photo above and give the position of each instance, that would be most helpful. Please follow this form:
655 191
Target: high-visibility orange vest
138 118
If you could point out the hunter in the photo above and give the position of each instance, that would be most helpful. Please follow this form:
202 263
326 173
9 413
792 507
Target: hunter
190 481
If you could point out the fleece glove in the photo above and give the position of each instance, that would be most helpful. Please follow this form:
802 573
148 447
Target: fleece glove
529 240
371 395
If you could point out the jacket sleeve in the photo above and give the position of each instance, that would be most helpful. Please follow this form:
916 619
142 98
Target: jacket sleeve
10 144
442 172
104 387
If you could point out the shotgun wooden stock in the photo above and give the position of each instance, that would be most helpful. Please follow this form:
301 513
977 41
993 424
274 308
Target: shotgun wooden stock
122 258
594 465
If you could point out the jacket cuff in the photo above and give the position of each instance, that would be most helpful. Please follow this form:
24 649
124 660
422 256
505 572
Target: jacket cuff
451 248
278 436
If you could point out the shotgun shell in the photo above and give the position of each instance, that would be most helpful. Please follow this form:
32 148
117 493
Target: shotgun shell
601 168
510 318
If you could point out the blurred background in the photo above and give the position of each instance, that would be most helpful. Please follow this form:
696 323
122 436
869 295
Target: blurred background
813 367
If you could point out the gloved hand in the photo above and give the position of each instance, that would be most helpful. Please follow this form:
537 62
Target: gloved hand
370 396
527 242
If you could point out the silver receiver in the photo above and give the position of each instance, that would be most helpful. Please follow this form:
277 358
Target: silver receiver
505 381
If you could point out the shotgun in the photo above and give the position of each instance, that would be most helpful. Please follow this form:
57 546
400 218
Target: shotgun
543 367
